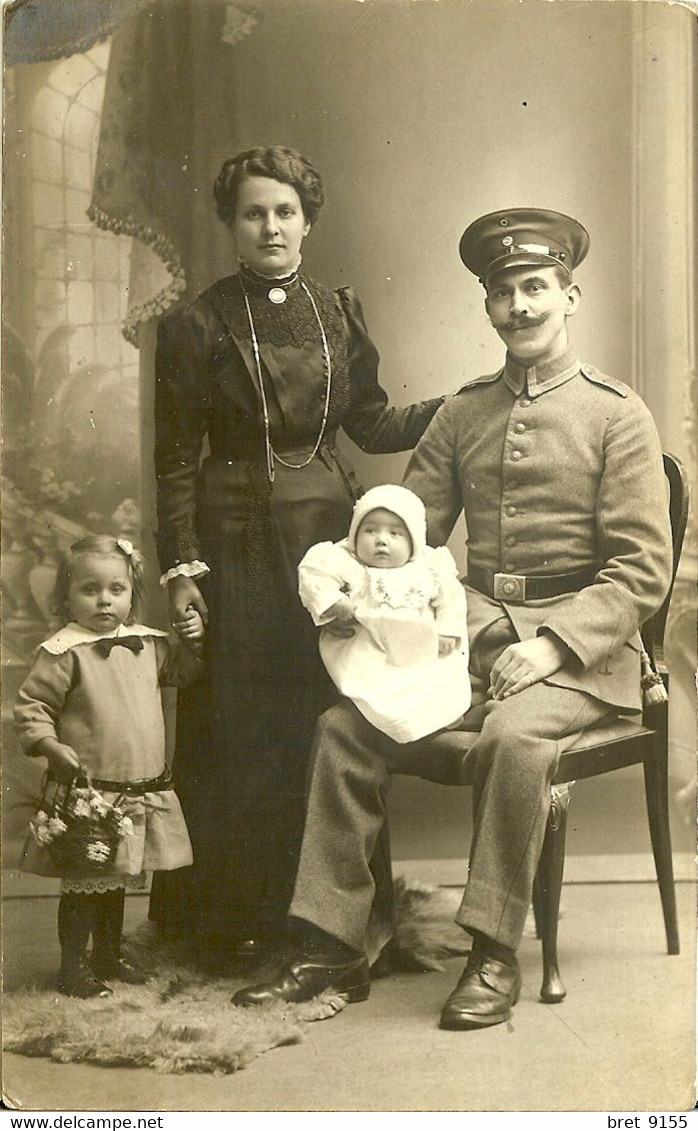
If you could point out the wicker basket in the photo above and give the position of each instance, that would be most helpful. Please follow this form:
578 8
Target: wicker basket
90 838
84 847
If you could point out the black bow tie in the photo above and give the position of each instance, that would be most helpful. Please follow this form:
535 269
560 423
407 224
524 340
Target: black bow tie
133 643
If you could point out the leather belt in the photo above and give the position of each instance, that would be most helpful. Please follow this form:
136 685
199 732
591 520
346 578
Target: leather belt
130 788
516 588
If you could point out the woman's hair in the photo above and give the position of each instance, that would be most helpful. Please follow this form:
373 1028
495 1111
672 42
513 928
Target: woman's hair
97 544
276 162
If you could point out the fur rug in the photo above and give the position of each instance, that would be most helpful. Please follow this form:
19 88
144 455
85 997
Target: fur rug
183 1021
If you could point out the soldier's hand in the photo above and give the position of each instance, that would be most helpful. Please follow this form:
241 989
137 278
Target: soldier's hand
525 663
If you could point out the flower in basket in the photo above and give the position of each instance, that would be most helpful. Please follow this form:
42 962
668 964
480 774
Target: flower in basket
125 827
80 828
98 804
81 808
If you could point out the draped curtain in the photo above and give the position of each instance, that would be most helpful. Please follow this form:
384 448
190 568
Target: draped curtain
171 75
39 30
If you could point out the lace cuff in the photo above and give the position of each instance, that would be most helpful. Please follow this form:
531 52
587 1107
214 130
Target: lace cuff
185 569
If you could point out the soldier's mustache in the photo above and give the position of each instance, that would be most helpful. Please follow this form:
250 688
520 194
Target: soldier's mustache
525 323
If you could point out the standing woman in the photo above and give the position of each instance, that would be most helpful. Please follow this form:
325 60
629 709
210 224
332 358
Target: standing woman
267 365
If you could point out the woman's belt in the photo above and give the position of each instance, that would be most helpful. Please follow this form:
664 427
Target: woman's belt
516 588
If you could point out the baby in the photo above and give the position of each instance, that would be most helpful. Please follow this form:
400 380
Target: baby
402 653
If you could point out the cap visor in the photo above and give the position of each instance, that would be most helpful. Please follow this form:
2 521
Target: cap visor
524 259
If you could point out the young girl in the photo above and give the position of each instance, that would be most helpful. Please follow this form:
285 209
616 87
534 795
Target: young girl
91 705
402 655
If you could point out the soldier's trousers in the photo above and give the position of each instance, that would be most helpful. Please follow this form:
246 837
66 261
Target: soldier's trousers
511 762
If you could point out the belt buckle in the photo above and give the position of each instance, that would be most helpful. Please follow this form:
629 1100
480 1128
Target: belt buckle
509 587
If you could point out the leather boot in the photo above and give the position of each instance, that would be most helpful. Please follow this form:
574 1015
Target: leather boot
308 977
322 964
486 991
107 961
75 921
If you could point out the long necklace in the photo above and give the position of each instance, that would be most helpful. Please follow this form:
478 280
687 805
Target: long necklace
271 455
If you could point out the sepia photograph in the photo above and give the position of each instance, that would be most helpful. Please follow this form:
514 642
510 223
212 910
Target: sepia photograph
349 557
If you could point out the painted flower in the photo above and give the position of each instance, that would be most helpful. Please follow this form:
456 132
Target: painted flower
125 827
57 827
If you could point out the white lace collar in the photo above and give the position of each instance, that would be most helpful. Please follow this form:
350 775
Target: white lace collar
74 634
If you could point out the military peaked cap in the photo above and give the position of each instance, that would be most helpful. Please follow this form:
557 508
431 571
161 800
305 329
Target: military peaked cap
519 236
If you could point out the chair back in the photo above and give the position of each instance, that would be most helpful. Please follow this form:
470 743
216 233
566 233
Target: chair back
653 629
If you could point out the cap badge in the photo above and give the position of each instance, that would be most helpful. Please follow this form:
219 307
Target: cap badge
504 223
507 241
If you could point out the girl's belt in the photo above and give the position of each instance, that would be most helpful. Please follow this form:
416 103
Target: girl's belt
515 588
130 788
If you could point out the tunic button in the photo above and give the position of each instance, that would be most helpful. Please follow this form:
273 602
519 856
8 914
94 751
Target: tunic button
519 427
510 540
524 402
509 567
516 454
511 511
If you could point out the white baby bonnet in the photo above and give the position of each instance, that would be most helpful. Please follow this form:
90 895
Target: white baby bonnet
400 501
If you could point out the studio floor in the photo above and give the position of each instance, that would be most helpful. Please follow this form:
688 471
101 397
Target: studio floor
624 1039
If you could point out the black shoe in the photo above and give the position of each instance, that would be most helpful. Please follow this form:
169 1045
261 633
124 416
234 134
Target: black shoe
310 976
484 995
120 970
249 948
76 979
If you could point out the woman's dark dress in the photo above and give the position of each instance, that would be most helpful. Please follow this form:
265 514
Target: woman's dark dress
244 730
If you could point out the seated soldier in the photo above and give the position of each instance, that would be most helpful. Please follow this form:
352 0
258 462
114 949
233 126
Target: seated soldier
558 469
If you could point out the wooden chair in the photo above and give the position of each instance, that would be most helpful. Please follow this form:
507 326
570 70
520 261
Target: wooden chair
625 742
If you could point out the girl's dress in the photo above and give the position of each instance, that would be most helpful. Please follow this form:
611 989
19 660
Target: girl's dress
106 705
243 736
391 666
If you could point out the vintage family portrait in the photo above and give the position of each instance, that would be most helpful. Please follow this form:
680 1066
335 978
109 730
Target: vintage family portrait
349 556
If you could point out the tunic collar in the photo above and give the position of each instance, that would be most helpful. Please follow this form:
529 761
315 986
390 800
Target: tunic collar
73 634
541 378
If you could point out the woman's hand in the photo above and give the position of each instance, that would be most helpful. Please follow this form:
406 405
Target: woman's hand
183 592
63 762
192 625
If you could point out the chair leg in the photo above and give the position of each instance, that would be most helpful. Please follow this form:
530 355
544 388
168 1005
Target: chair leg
538 908
657 796
548 885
